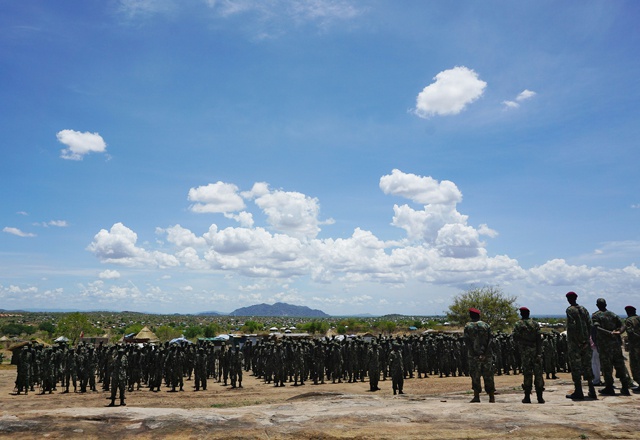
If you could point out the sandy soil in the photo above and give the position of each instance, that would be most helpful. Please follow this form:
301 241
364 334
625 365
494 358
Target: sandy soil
431 408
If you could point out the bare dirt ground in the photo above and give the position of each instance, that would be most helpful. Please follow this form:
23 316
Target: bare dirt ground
431 408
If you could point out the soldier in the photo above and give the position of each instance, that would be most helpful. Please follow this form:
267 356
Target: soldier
607 328
477 335
25 359
119 376
201 369
69 371
579 349
526 334
396 367
632 326
374 366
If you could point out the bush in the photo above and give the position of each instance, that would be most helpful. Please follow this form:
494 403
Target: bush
498 310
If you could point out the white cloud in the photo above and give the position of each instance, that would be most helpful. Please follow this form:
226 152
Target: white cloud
216 197
58 223
244 218
451 92
635 206
291 212
424 190
109 275
79 144
522 96
119 246
438 251
558 273
17 232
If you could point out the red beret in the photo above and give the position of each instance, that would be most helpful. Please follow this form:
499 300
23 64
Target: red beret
476 311
524 309
629 308
574 294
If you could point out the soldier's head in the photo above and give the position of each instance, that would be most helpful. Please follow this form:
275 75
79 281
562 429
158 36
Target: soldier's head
474 314
524 312
572 297
601 303
631 311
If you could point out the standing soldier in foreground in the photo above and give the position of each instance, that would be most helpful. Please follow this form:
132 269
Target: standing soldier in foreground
477 337
632 326
579 348
526 334
607 328
119 376
396 367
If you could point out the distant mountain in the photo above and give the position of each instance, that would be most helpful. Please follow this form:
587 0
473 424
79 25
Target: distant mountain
279 309
210 313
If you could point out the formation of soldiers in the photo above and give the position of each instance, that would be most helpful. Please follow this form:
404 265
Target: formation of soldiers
131 367
477 353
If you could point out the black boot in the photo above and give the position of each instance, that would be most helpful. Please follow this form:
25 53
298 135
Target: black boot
527 397
577 393
608 391
539 396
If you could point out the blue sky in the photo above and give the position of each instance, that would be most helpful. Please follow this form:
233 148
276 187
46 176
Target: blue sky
355 157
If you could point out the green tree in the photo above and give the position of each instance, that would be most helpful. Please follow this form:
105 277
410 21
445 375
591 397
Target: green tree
193 331
166 333
212 330
72 325
133 328
497 309
251 326
48 327
13 329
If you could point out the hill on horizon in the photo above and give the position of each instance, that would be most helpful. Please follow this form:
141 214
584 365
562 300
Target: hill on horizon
279 309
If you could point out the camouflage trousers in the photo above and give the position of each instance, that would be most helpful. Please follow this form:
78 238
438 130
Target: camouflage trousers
579 357
611 357
634 361
481 368
531 369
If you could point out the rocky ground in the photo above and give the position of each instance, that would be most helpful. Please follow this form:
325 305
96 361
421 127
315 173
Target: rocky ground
431 408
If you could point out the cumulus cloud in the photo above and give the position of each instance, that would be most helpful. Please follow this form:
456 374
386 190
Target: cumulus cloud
109 275
522 96
17 232
118 246
216 197
291 212
80 144
450 93
558 273
437 247
419 189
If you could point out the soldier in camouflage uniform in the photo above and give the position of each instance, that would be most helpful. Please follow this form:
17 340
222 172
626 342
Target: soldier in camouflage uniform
25 360
119 377
607 328
632 327
579 348
526 334
373 358
201 369
396 367
477 335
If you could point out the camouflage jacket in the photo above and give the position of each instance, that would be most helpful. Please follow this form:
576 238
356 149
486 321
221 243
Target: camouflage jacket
526 333
609 322
478 339
578 325
632 323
